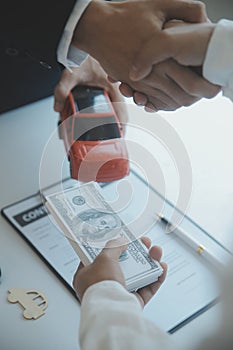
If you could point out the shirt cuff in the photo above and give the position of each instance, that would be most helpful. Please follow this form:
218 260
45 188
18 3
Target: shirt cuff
218 64
68 55
112 290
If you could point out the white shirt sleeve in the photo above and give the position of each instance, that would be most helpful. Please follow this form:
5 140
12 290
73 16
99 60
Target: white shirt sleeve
218 64
68 55
112 318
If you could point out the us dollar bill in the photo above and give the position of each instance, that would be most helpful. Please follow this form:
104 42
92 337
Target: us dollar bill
89 222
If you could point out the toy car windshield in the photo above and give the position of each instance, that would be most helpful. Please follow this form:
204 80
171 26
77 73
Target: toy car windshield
95 129
95 102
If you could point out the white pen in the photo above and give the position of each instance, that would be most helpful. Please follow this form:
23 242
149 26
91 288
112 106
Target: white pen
198 247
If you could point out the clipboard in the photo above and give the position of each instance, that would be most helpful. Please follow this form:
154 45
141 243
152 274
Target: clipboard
190 287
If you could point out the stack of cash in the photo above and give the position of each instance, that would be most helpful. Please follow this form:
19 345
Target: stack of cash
89 222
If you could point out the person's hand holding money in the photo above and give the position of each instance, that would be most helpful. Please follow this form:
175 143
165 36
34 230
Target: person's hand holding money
106 267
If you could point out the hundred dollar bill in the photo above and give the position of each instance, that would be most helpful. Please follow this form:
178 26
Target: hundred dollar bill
89 222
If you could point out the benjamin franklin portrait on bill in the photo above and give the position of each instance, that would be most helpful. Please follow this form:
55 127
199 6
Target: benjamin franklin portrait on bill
95 225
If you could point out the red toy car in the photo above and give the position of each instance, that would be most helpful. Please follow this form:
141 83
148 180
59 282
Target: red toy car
93 136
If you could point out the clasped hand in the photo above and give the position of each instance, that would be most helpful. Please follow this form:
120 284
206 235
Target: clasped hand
116 34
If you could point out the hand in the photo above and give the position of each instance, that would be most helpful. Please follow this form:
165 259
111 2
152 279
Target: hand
168 87
191 86
107 267
113 32
89 73
187 44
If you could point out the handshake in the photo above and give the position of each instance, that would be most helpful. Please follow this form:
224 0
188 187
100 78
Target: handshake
153 50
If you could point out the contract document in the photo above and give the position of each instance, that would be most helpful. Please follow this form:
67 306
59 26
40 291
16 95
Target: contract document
190 286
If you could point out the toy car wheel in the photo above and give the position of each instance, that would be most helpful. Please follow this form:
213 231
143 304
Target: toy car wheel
59 129
70 168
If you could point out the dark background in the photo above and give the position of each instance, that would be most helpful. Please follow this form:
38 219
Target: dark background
218 9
